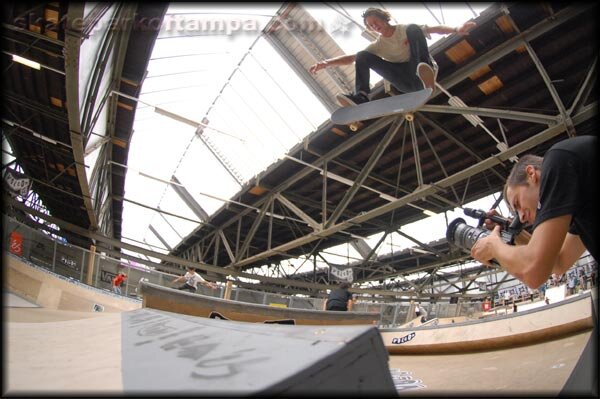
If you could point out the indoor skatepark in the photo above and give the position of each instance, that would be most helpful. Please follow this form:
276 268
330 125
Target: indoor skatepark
160 145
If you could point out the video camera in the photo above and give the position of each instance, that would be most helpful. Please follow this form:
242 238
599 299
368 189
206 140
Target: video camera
464 236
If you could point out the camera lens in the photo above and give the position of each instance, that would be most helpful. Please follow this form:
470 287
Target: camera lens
462 235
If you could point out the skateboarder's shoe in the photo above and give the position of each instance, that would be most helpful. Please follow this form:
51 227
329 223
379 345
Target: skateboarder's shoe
352 99
427 75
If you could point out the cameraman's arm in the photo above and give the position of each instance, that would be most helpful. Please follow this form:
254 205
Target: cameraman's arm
522 238
531 263
571 250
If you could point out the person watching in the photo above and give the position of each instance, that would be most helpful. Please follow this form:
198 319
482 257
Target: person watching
340 299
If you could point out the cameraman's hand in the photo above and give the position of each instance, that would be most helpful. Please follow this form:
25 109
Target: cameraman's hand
489 223
484 249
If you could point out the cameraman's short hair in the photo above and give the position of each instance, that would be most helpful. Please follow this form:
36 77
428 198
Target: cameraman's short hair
518 174
376 12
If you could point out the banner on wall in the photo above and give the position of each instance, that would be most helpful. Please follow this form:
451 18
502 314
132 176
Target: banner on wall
16 183
341 273
16 243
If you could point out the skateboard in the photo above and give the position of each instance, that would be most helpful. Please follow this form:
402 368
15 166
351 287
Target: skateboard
353 115
353 125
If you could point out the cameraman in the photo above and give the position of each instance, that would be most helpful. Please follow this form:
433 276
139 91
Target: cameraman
557 195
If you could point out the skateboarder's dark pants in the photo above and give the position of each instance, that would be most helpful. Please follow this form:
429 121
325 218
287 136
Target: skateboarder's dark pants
402 75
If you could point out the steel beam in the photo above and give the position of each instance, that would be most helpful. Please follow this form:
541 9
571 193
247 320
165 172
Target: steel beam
291 206
377 153
549 120
425 190
187 198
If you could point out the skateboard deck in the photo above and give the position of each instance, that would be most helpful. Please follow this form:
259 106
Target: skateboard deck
400 104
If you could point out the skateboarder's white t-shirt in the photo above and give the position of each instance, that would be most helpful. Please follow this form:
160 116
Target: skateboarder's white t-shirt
193 279
394 48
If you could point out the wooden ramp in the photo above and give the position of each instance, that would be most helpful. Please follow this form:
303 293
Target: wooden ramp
151 352
51 291
541 324
563 362
566 367
172 300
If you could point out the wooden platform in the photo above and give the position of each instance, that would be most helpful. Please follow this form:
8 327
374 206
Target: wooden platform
541 324
172 300
543 369
150 352
51 291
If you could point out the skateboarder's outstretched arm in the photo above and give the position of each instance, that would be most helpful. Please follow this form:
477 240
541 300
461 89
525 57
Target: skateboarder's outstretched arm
341 60
445 30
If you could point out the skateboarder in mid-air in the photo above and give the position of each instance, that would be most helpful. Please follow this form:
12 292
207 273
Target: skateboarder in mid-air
400 55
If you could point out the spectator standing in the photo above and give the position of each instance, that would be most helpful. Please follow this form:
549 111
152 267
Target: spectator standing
542 289
117 282
340 299
582 280
571 284
506 297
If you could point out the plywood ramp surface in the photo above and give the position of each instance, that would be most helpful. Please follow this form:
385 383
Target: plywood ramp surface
546 323
64 356
541 369
172 300
151 352
51 291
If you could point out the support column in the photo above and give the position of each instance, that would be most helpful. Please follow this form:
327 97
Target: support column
90 266
228 288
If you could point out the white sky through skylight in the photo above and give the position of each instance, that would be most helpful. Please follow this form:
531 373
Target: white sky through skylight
211 61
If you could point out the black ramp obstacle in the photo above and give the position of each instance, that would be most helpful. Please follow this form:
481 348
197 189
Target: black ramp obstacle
166 352
583 381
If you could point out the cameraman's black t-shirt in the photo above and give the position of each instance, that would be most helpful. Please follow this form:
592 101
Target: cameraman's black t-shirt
568 187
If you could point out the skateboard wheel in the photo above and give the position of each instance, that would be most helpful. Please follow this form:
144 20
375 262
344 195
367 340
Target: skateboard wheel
354 127
409 117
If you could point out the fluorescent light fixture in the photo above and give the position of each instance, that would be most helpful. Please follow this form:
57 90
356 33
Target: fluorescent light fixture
26 62
276 216
35 134
46 139
422 251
